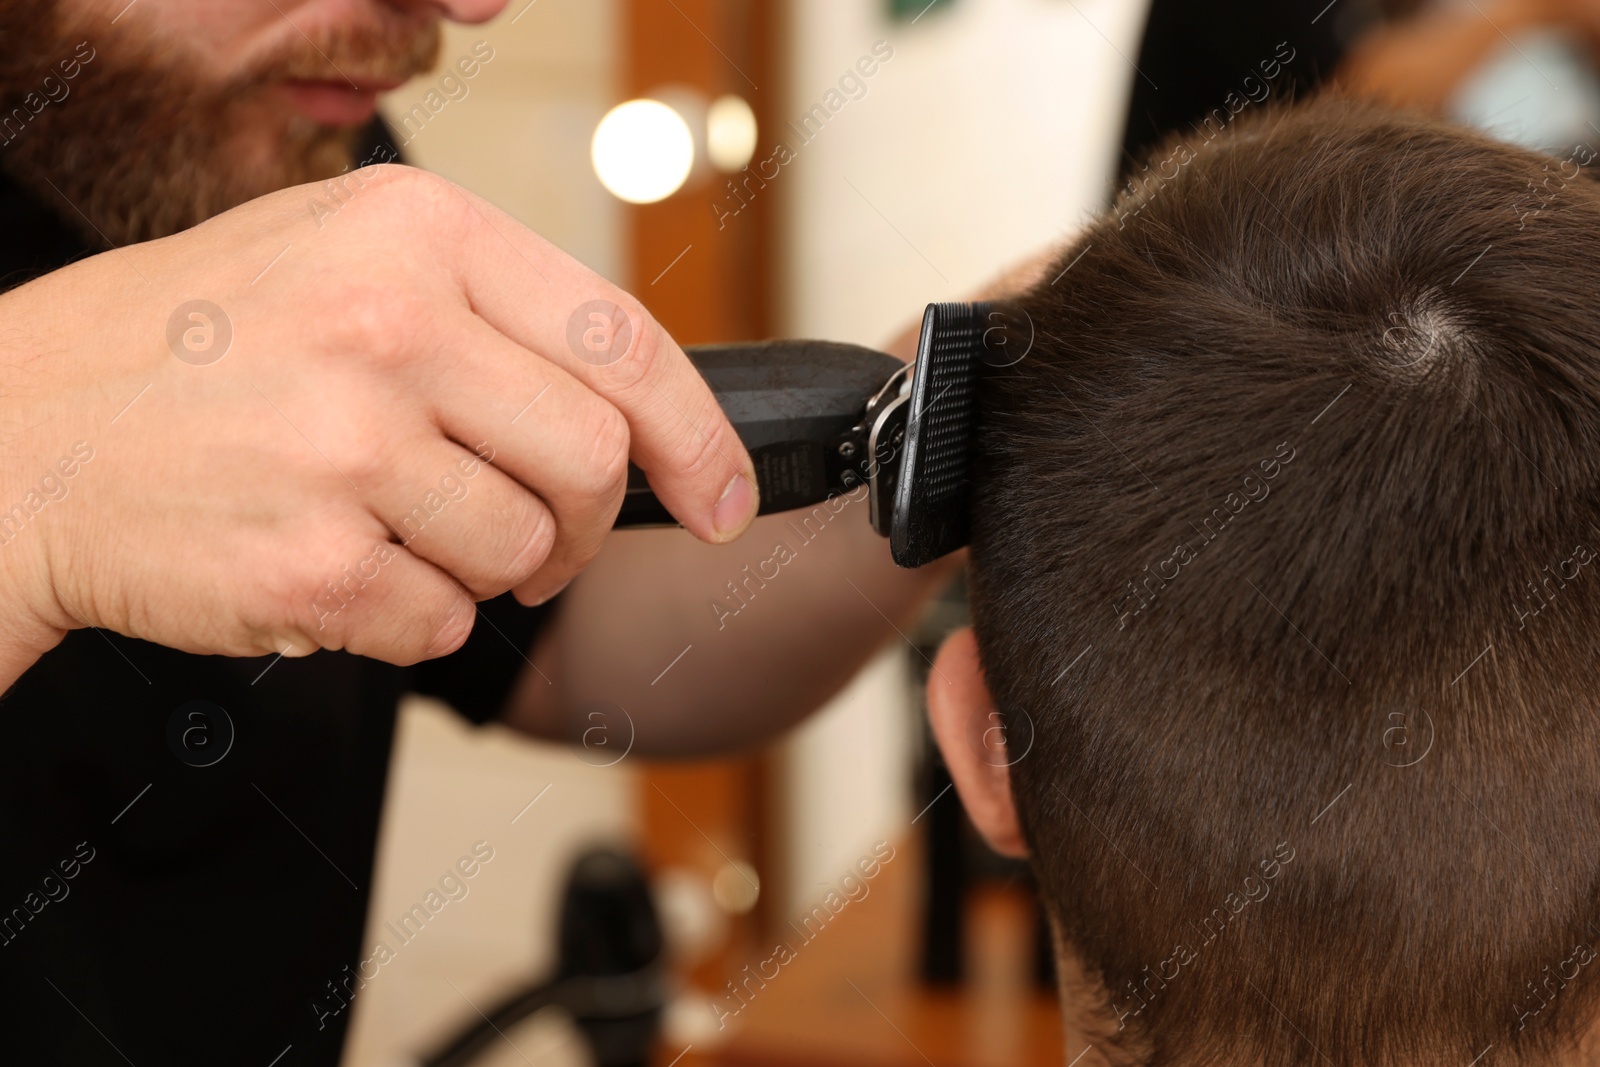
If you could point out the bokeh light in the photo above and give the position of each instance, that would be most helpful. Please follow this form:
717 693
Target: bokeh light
730 132
642 151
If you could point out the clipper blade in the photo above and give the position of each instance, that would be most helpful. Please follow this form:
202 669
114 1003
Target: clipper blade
932 500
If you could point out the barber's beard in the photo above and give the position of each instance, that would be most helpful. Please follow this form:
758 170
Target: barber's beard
141 147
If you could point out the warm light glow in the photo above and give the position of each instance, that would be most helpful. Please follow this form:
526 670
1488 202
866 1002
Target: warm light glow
642 151
736 887
730 132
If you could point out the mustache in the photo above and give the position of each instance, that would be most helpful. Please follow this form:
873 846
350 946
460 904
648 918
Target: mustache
393 48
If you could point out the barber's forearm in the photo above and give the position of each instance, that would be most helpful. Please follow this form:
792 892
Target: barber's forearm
701 668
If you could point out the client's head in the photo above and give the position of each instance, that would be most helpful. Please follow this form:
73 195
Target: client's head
1284 585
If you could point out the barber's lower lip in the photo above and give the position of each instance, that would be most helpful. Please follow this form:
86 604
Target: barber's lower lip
334 103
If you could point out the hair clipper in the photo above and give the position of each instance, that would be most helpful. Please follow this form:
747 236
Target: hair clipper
822 418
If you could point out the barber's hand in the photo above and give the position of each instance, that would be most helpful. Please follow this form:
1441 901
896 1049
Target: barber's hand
297 462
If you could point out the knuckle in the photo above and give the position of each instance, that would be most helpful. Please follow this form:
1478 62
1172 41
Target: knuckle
396 203
700 456
446 629
361 458
533 540
367 320
645 349
404 190
606 470
581 552
374 322
355 188
319 597
577 562
355 446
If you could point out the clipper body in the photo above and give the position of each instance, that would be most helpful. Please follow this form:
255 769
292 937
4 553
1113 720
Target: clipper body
821 418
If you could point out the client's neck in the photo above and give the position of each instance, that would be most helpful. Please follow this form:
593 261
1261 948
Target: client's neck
1100 1032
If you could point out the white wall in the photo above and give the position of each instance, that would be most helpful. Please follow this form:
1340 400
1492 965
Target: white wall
990 133
520 137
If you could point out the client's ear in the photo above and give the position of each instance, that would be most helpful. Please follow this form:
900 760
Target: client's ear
967 729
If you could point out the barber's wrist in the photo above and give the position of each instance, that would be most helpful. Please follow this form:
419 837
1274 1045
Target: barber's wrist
32 616
24 638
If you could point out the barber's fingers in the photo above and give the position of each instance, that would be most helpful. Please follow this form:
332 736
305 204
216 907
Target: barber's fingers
550 433
454 509
372 597
554 306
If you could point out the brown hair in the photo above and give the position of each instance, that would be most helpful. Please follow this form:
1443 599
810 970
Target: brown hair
1284 551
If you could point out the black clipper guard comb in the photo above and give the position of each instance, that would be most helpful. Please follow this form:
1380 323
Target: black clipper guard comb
932 515
822 418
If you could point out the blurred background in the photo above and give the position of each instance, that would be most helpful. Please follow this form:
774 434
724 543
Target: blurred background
754 168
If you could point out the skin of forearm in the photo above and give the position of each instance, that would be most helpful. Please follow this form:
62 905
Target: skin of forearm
652 628
1419 63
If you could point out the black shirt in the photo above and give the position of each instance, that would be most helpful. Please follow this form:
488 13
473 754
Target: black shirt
157 912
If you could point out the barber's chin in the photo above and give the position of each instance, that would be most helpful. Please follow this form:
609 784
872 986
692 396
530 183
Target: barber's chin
332 103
